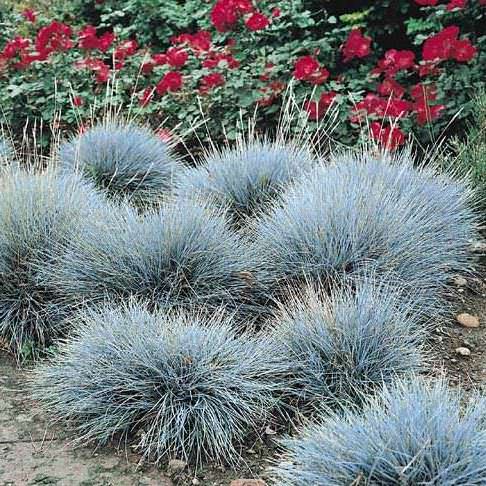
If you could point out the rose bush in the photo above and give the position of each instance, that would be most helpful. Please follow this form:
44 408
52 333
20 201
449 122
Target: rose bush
395 70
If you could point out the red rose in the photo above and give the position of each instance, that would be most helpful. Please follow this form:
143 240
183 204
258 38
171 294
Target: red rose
147 66
101 69
389 87
356 45
395 61
307 68
159 59
425 112
78 101
171 82
54 37
428 68
176 57
312 109
125 49
316 109
15 46
276 12
215 59
453 4
29 15
257 21
390 137
146 97
224 15
105 41
463 51
430 3
89 40
200 41
424 92
211 81
441 45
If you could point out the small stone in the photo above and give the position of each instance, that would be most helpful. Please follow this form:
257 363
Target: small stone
453 360
270 431
195 481
463 351
248 482
176 465
467 320
460 281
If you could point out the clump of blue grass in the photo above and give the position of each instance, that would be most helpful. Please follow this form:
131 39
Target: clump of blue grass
343 346
39 215
180 385
414 433
5 149
125 161
247 177
370 213
183 255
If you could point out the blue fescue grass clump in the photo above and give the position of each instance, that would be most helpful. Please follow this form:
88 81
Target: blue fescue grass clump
413 434
370 213
248 177
343 346
5 148
39 215
179 385
125 161
180 256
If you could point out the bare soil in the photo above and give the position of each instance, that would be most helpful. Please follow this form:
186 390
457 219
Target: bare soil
34 453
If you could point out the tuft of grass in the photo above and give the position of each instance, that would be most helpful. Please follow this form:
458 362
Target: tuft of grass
471 154
39 215
5 149
125 161
246 178
179 385
414 433
181 256
341 347
366 214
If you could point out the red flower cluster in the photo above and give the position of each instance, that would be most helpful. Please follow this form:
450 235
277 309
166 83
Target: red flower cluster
257 21
390 137
29 15
171 82
453 4
307 68
124 50
200 41
54 37
422 94
271 93
375 106
98 66
211 81
389 87
226 13
215 59
445 45
89 40
356 46
316 109
395 61
427 3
